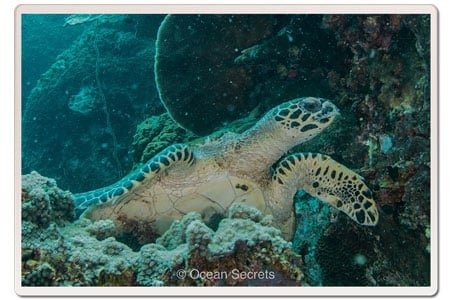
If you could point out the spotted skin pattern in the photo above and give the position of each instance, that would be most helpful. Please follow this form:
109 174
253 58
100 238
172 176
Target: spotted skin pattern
331 182
177 153
308 117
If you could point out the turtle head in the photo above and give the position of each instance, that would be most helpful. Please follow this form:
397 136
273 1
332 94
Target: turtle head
302 119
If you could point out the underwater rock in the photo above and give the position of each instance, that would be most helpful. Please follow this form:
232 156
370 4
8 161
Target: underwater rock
105 262
402 256
386 255
243 241
96 92
176 234
385 143
420 26
226 65
387 89
242 211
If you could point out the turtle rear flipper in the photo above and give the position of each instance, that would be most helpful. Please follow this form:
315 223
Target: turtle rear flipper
172 155
329 181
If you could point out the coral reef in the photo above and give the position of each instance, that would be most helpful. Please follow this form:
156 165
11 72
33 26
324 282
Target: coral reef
192 254
415 213
42 275
43 201
90 99
58 252
245 246
385 104
85 102
102 229
75 257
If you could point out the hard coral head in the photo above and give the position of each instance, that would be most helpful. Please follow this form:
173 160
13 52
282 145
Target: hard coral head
304 118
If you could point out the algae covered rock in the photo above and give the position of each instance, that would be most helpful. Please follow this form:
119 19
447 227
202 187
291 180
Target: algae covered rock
176 234
385 127
154 262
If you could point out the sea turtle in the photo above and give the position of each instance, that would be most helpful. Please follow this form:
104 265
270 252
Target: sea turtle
210 176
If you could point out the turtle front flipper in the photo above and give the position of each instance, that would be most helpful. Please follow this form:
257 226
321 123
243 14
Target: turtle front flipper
329 181
170 156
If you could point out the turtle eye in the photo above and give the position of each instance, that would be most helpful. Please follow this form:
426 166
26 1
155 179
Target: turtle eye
312 104
327 109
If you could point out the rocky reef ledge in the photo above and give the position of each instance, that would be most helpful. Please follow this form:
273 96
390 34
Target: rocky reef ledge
244 250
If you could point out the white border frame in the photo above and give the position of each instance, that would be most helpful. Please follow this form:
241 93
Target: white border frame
228 9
